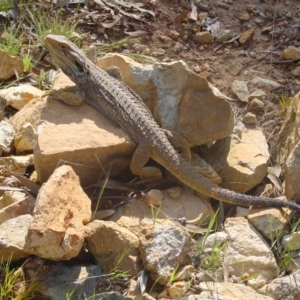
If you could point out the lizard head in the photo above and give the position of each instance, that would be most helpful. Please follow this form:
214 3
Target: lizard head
67 56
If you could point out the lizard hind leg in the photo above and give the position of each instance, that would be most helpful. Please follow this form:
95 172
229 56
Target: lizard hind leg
179 143
139 160
202 167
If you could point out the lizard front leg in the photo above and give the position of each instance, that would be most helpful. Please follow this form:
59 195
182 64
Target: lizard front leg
139 160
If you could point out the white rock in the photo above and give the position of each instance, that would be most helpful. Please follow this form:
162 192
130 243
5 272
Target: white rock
19 96
25 138
240 89
12 238
7 135
247 252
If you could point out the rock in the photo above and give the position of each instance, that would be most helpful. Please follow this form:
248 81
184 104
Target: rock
296 71
258 94
255 104
240 89
241 160
288 149
257 282
10 66
163 248
30 113
17 164
291 242
56 231
250 118
234 68
154 197
291 52
226 291
111 296
269 221
194 209
19 208
247 253
247 36
10 197
12 238
7 135
63 280
224 35
25 139
267 84
214 239
81 136
204 37
115 248
19 96
179 99
175 290
286 287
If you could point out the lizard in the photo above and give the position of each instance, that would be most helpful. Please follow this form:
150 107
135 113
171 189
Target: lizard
122 105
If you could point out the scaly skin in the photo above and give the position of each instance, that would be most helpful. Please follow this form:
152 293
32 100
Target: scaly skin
118 102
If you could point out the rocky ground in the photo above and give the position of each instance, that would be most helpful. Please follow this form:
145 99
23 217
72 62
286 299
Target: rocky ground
224 75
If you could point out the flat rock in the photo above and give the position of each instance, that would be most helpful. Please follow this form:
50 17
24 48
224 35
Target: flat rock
12 238
80 136
57 231
194 209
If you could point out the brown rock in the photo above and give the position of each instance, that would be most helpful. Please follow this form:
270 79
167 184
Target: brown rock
9 66
19 96
204 37
193 208
114 247
56 231
247 36
291 52
14 210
